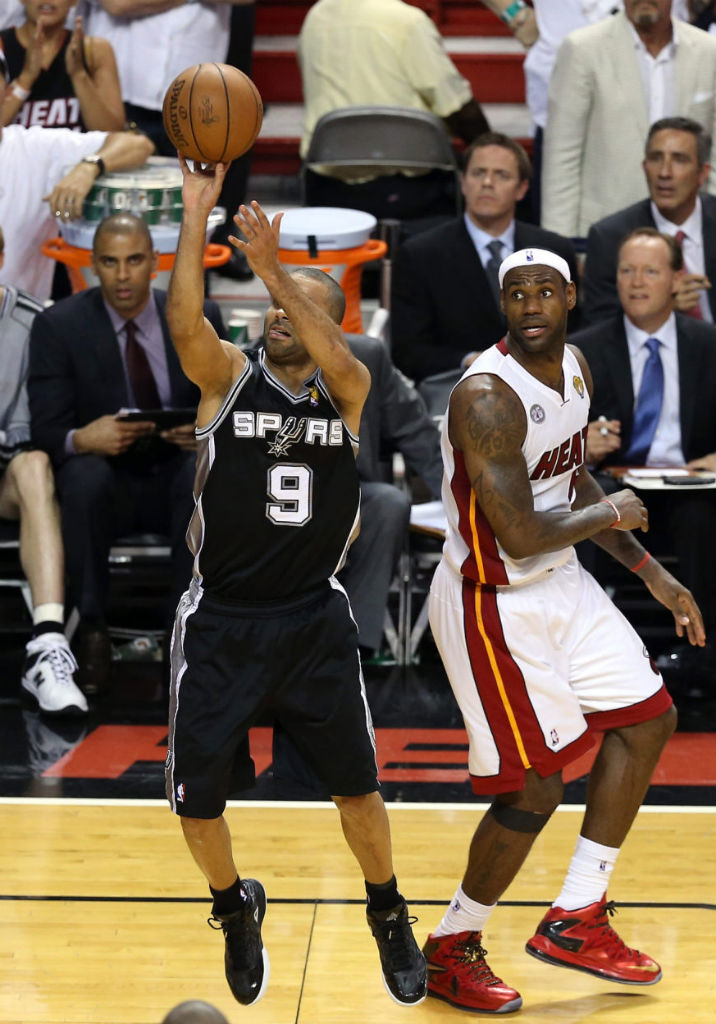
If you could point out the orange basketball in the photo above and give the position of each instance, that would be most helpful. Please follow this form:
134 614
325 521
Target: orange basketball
212 112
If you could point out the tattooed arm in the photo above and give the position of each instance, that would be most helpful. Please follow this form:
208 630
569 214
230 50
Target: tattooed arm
488 425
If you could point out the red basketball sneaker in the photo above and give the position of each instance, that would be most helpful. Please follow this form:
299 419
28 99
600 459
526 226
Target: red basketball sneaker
459 974
585 941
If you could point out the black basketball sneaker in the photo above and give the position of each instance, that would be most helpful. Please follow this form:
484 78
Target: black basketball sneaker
245 959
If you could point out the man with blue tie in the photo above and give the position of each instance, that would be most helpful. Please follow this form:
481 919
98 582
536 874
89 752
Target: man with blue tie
654 376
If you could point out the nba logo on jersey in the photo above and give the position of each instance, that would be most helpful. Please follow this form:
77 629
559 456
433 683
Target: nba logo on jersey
180 792
602 865
554 736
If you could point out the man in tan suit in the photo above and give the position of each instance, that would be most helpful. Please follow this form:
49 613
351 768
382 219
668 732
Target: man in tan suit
611 80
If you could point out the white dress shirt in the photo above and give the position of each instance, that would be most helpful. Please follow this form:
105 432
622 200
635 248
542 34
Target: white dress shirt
666 447
481 240
692 247
658 76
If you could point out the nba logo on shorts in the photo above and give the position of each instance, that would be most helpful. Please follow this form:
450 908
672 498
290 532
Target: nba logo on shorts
602 865
180 792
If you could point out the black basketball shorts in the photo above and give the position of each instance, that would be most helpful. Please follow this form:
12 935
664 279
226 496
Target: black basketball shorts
297 662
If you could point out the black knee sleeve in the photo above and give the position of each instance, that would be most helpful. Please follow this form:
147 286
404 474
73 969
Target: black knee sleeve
517 820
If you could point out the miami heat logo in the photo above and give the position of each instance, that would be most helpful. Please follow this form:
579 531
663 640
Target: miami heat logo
578 386
290 433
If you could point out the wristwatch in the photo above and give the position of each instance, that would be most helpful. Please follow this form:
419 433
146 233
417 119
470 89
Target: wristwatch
96 160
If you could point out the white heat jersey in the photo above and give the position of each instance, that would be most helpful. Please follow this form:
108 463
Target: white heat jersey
553 448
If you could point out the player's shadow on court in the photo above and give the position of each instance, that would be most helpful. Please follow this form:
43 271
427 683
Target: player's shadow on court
575 1011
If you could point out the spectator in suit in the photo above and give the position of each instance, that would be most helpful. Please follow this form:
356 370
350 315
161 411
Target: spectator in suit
445 297
37 192
657 401
610 81
92 354
381 53
676 166
394 419
27 497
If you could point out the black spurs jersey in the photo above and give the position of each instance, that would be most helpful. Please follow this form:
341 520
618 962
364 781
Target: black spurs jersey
277 492
53 103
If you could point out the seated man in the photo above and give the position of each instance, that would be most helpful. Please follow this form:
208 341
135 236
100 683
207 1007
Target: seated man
394 418
374 53
91 355
668 361
27 495
676 165
445 298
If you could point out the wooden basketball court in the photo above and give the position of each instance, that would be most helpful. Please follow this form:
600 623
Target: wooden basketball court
103 915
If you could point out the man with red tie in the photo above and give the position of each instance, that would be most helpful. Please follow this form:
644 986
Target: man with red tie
676 165
92 354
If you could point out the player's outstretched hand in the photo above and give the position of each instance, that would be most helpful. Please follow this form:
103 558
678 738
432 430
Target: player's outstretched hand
202 185
260 244
632 511
680 601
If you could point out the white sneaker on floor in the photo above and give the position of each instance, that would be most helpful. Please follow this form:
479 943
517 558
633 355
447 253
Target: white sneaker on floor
47 675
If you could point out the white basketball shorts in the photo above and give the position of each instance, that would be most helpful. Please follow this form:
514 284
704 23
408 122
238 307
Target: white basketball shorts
536 667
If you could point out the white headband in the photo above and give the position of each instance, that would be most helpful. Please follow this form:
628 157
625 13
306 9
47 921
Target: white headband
534 257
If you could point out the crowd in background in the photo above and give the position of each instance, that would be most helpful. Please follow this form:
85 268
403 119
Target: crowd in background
623 102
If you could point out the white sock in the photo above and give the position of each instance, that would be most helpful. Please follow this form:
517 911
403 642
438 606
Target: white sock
48 613
464 915
588 875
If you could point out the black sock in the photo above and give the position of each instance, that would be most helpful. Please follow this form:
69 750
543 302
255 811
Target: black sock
226 901
383 897
48 626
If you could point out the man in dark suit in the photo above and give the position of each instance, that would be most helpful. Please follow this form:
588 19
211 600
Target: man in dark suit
445 302
647 351
394 419
676 166
92 354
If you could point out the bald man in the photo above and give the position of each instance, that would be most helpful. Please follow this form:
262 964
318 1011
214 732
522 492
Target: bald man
99 351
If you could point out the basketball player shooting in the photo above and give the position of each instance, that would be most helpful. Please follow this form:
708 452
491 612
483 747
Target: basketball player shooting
264 624
536 653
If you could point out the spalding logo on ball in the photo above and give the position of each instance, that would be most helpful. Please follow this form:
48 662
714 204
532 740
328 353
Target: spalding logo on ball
212 113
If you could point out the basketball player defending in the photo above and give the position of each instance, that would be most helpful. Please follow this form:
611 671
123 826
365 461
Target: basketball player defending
537 655
264 626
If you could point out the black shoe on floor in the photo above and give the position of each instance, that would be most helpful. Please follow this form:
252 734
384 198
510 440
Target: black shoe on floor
405 974
237 267
245 960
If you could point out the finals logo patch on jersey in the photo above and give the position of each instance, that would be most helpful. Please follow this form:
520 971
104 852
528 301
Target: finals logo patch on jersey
578 385
537 414
313 395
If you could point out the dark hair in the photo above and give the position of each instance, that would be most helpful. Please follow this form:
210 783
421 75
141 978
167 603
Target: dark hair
334 292
524 167
122 224
676 256
684 124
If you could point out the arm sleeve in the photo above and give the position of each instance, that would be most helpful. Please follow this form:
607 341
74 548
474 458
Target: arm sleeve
406 426
70 148
50 389
417 348
600 287
431 72
570 97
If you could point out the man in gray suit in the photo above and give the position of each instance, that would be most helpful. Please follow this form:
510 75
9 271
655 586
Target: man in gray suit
676 165
611 80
